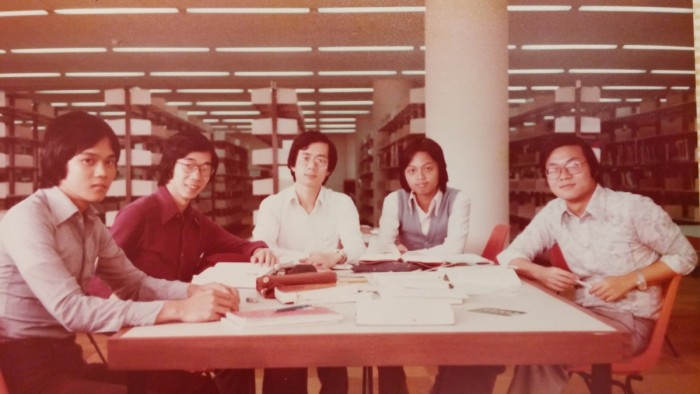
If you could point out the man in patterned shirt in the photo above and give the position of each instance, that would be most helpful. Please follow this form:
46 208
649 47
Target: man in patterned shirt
622 246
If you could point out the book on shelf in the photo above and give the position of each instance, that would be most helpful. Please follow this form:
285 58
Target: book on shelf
300 314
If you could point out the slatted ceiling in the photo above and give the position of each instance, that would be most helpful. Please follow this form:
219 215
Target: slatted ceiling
318 30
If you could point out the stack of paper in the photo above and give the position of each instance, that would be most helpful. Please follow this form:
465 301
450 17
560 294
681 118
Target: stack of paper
239 275
319 293
404 312
481 279
283 316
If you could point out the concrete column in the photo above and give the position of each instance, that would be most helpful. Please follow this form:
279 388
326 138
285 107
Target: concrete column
466 89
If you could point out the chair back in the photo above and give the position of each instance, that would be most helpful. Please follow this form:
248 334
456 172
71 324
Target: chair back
496 242
648 358
3 385
556 258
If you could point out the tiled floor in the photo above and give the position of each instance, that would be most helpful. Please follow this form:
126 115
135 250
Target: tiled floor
673 375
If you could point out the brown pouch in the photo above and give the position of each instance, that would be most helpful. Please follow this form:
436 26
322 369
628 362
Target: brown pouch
266 284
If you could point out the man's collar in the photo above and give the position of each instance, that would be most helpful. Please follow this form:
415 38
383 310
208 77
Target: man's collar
61 206
595 206
436 202
167 205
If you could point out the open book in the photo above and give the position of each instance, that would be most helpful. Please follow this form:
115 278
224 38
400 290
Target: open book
391 253
301 314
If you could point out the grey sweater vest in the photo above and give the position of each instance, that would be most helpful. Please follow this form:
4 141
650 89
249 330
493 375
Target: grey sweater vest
410 234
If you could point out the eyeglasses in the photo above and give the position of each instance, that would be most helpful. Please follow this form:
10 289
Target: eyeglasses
573 167
190 166
319 161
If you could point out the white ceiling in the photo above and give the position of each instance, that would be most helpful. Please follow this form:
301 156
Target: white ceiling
315 29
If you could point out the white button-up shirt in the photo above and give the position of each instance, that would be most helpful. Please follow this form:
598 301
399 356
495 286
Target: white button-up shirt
293 234
617 234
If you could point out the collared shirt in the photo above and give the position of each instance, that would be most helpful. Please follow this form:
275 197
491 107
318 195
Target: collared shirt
617 234
48 252
457 225
293 234
167 244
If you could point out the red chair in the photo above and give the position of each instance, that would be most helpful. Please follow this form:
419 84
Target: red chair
496 242
3 385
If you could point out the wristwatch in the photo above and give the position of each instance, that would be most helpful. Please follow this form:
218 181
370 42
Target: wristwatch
641 281
343 256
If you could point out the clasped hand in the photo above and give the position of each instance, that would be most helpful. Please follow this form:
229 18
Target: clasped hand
610 289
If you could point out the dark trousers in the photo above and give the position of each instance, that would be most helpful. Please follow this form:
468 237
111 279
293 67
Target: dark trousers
392 380
468 379
47 365
334 380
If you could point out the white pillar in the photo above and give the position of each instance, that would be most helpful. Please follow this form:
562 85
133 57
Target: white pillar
466 92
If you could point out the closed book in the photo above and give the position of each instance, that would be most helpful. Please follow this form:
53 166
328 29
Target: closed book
283 316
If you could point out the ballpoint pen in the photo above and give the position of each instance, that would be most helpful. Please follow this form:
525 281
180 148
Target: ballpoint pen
293 308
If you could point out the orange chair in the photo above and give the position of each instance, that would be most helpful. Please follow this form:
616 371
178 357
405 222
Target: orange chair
3 385
496 242
648 358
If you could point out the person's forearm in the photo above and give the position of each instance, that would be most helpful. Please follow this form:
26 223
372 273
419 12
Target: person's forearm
526 268
170 312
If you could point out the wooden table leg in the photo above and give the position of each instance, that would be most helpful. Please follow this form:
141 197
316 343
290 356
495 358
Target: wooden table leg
367 380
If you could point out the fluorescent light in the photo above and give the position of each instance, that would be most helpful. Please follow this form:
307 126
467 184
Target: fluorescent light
360 10
88 104
536 71
538 8
609 100
396 48
308 112
223 103
196 113
680 87
264 49
615 8
557 47
210 120
345 112
229 113
178 103
422 47
29 75
248 10
69 91
331 120
544 87
355 73
516 88
160 49
529 124
23 13
210 90
237 120
2 51
346 90
517 101
348 102
106 74
273 73
413 72
658 47
112 113
510 46
190 74
605 71
633 100
306 103
337 126
338 131
160 90
110 11
304 90
59 104
309 120
57 50
674 72
631 87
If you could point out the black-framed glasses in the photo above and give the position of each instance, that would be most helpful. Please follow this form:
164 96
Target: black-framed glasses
319 161
573 167
189 166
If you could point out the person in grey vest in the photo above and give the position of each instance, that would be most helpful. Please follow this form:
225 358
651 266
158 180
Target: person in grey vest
426 216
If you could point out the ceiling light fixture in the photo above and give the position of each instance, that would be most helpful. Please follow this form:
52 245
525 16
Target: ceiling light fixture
190 74
413 72
113 11
658 47
29 75
396 48
209 90
674 72
273 73
346 90
355 73
308 112
544 87
609 100
263 49
306 103
112 113
557 47
107 74
345 112
304 90
347 102
161 49
237 120
178 103
517 101
511 47
680 87
331 120
88 104
536 71
631 87
4 14
360 10
337 126
160 91
606 71
516 88
633 100
248 10
229 113
69 91
223 103
57 50
196 113
615 8
538 8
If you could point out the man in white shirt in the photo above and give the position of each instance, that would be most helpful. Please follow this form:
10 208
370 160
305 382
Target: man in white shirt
310 224
622 246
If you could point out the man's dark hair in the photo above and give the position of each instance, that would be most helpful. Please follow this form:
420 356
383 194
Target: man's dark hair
433 150
68 135
302 142
558 140
179 146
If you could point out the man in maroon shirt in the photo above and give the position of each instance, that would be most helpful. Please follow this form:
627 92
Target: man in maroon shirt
164 236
